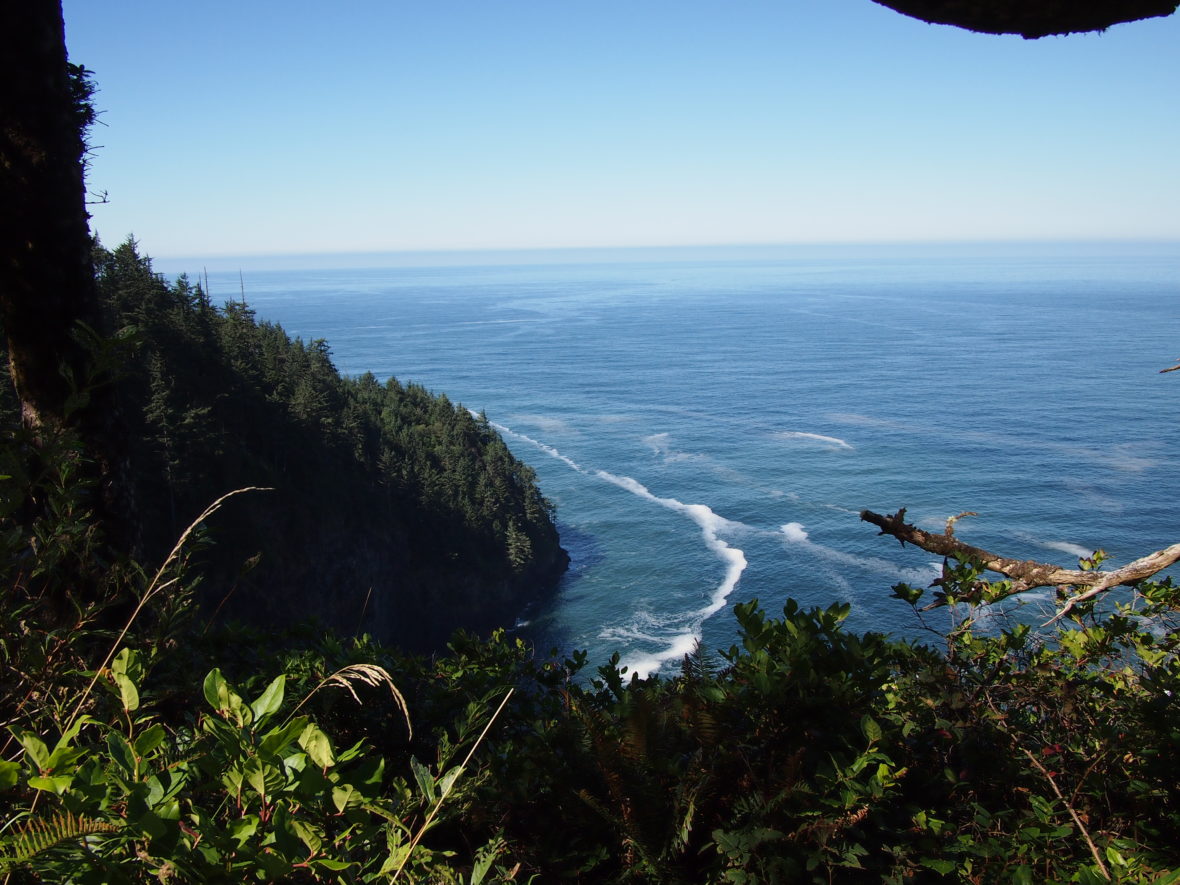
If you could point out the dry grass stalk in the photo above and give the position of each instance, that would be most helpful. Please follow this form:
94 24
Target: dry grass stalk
154 588
447 792
360 674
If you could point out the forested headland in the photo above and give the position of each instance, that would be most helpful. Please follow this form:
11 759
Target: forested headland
389 510
203 528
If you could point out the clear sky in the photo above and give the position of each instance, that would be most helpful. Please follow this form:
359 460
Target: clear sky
258 126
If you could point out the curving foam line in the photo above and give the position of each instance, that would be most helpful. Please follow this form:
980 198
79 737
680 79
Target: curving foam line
794 533
1064 547
813 437
734 559
645 664
548 450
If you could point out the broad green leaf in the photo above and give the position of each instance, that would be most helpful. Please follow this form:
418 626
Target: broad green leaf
9 774
344 796
169 810
484 859
34 746
327 863
72 732
286 836
121 751
367 776
271 699
254 771
214 688
64 756
308 835
239 710
906 593
277 738
870 729
150 739
58 784
167 785
126 669
232 781
222 697
317 745
155 790
243 828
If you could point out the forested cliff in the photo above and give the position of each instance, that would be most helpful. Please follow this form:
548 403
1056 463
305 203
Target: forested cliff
389 509
143 743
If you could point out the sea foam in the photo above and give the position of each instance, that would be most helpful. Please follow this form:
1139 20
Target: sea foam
735 561
685 640
547 449
832 441
794 533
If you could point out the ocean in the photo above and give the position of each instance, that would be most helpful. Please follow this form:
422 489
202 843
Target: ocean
709 426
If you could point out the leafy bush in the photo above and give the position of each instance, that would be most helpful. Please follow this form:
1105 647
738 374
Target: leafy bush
143 744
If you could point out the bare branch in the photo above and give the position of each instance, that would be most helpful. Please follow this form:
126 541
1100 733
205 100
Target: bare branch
1025 574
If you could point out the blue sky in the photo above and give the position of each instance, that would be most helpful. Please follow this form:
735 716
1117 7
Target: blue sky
257 127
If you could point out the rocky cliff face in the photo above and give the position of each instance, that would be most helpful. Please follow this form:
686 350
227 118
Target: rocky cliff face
355 578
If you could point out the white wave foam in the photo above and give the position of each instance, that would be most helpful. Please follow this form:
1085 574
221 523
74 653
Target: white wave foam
645 664
794 532
547 449
833 441
1127 457
1076 550
735 563
1065 547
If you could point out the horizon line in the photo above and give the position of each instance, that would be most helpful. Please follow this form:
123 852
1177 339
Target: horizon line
458 256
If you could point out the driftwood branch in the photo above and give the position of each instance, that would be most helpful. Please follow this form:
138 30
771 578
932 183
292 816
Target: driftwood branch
1025 574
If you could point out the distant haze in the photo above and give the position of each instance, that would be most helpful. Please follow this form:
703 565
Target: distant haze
195 264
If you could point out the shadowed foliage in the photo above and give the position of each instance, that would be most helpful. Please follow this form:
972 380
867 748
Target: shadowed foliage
1032 18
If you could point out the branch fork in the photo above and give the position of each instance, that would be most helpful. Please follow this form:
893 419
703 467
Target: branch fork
1025 574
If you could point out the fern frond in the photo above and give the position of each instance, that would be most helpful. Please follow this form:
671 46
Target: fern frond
36 836
698 665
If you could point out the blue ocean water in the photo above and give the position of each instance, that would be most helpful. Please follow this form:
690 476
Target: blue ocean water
710 429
